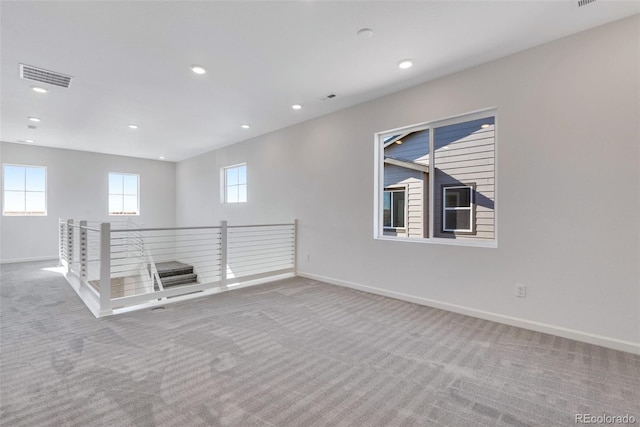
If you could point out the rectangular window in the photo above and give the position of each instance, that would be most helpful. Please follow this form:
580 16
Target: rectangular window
394 208
24 190
457 209
124 194
235 184
447 170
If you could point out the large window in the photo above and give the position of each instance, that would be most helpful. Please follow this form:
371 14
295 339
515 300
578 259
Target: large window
235 184
24 190
446 170
124 194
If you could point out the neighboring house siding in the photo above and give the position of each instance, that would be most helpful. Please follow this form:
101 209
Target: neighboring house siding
414 148
412 181
465 154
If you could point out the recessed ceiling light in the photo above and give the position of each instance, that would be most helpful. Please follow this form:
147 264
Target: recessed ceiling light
296 106
133 126
245 126
198 69
399 142
34 119
405 63
366 33
161 157
484 126
39 89
28 141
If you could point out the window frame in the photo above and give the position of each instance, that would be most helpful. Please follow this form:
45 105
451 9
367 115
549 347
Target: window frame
400 189
471 209
225 185
4 190
123 194
378 144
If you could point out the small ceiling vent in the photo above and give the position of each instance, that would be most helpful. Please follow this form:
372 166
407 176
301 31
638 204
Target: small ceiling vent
44 76
585 2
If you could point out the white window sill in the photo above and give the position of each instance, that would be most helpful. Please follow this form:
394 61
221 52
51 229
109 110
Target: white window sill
476 243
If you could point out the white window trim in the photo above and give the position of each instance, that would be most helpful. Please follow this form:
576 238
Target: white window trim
470 209
378 181
223 184
137 194
46 191
403 189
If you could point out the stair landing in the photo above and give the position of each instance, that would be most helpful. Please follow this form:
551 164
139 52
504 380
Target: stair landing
175 273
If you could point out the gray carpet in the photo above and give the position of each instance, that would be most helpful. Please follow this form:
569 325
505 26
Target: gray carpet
291 353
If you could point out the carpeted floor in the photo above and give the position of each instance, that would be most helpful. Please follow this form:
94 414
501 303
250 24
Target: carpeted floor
291 353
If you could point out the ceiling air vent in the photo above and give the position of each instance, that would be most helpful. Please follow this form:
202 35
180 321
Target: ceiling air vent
44 76
584 2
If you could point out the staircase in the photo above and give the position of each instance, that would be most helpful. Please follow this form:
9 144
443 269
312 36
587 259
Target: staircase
174 273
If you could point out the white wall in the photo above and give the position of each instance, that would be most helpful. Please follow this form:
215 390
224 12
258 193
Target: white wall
77 187
568 191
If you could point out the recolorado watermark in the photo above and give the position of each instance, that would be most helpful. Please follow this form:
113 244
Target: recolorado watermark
605 419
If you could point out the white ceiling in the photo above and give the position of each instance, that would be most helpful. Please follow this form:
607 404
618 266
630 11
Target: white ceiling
130 62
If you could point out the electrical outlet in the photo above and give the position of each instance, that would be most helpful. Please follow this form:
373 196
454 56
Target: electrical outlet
521 290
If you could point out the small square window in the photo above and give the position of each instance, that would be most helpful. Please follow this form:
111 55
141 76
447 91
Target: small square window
25 190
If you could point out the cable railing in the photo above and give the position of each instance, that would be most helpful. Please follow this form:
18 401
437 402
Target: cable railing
121 266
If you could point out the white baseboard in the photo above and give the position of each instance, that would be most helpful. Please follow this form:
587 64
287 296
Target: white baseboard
15 260
614 343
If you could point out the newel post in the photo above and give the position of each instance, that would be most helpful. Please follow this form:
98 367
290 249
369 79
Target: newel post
69 245
62 236
105 268
84 255
295 247
224 247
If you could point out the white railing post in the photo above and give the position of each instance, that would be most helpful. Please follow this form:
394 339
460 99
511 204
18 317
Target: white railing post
84 251
61 237
223 254
295 247
69 245
105 268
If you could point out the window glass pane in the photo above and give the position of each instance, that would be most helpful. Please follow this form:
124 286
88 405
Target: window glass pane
232 176
458 219
14 202
405 162
35 202
242 193
36 179
115 183
232 194
387 209
115 204
130 184
14 177
451 198
457 197
131 204
465 197
242 174
398 208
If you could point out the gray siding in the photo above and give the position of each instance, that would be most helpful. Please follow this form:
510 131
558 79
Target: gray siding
465 154
414 148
